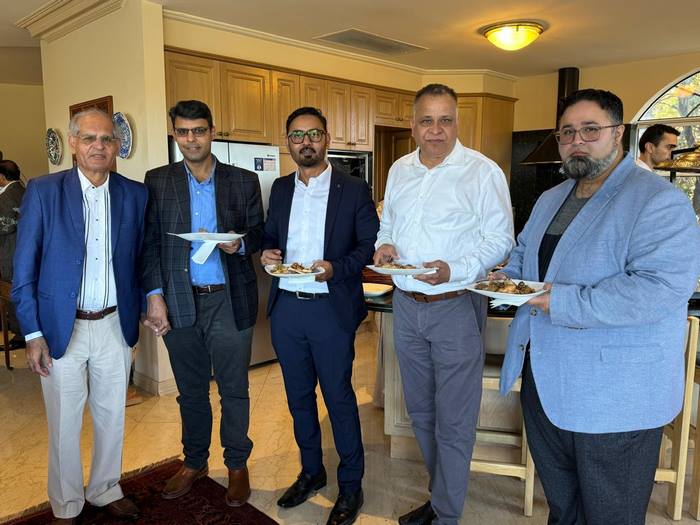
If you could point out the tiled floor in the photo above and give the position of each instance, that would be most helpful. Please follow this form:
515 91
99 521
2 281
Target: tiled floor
392 487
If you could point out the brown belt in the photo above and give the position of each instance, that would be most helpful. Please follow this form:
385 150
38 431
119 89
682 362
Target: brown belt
209 288
94 316
425 298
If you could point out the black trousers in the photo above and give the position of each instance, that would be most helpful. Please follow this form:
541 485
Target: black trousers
213 341
313 348
592 479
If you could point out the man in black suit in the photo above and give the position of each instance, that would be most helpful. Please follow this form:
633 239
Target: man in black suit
205 312
11 193
324 217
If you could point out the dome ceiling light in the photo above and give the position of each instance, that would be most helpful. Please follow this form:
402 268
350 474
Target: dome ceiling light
512 36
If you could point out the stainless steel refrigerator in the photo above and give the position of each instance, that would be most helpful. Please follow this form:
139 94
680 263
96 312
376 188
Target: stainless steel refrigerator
265 162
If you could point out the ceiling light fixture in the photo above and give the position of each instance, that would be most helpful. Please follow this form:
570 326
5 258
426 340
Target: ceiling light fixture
512 36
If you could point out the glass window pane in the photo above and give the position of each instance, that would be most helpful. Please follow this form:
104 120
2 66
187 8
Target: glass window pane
682 100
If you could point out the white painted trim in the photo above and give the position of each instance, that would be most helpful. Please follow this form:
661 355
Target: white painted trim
651 100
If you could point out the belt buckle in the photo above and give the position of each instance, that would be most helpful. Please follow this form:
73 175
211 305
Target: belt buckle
208 287
301 297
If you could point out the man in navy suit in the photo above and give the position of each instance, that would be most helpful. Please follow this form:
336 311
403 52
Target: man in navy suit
323 217
78 304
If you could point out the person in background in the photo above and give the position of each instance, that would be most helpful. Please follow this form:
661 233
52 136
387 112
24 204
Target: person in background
205 312
656 145
322 216
78 301
11 193
446 207
602 353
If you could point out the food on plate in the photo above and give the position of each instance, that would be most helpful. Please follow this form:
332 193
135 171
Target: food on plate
505 286
396 266
286 269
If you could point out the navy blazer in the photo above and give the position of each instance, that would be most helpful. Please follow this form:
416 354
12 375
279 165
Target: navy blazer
350 233
50 251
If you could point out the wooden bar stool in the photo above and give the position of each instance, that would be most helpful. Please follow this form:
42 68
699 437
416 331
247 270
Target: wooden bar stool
678 433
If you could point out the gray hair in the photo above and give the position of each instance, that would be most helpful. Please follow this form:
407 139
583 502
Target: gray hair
74 124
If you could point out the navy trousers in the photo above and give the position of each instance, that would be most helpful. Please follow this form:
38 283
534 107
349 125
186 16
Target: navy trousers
590 479
313 348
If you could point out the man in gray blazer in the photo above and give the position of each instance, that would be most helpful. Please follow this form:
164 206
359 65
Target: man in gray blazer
601 354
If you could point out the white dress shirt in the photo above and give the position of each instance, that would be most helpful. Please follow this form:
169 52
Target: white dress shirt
458 212
307 229
643 164
97 290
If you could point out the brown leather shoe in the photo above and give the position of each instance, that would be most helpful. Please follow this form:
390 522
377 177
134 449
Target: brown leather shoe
123 508
63 521
238 487
182 481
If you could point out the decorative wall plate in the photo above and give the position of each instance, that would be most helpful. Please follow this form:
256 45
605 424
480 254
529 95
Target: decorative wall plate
54 146
121 123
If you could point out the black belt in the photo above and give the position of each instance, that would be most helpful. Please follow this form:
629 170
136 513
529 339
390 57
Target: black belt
94 316
207 289
306 296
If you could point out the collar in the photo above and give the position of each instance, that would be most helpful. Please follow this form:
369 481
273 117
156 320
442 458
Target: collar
85 183
321 180
208 180
455 157
643 165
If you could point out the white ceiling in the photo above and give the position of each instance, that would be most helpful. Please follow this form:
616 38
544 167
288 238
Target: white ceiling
581 33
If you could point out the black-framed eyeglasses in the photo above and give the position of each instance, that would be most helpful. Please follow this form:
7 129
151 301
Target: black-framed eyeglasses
105 140
197 132
587 133
297 136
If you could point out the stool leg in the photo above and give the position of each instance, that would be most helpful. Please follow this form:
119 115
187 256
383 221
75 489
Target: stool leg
694 507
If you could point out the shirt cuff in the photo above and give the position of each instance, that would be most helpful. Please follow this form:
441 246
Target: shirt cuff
154 292
241 250
33 335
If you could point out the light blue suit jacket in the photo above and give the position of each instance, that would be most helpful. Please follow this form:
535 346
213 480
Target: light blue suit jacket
609 356
51 247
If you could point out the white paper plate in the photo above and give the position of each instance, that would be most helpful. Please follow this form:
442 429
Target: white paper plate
206 236
375 289
512 298
270 267
420 270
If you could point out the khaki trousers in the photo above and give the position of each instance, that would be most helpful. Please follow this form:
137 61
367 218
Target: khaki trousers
95 368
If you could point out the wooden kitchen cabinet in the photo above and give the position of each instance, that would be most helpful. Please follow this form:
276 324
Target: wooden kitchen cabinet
486 125
313 93
393 109
193 78
361 118
246 108
285 99
338 115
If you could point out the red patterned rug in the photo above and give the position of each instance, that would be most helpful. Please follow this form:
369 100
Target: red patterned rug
203 505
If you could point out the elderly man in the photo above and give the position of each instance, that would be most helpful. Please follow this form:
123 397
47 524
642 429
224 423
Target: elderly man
211 306
601 354
78 303
656 145
321 216
11 193
446 207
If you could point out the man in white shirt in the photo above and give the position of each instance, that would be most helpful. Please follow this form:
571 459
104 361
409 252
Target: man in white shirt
445 207
324 218
78 302
656 145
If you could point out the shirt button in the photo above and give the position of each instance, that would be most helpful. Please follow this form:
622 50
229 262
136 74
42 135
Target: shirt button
187 269
533 312
73 294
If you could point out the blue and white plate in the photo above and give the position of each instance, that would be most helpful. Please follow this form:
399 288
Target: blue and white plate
54 146
121 123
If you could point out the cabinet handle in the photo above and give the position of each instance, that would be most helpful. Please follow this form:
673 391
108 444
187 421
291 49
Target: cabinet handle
398 118
219 133
226 133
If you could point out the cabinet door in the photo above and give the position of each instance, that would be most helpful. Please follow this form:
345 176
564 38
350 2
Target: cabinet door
246 103
361 118
285 99
193 78
469 119
386 108
313 93
406 110
339 115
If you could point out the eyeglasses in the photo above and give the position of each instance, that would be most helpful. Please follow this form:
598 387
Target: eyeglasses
297 136
587 133
105 140
197 132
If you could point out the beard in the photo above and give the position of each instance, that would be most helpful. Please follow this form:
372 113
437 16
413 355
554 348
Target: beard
308 157
587 168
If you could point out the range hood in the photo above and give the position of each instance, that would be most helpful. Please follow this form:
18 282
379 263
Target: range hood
547 152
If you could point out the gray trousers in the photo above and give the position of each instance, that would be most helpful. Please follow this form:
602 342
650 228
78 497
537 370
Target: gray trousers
441 357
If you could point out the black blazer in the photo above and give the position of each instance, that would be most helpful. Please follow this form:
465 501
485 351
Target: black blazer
166 258
351 230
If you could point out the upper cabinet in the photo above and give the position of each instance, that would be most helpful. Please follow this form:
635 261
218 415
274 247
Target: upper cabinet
246 107
361 118
193 78
393 109
285 99
314 93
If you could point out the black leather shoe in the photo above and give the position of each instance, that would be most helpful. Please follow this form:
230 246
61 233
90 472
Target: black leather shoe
346 508
423 515
123 508
302 488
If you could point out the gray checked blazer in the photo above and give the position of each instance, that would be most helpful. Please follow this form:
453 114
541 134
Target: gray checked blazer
166 258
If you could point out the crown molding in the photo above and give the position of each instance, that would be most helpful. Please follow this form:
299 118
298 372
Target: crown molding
244 31
57 18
